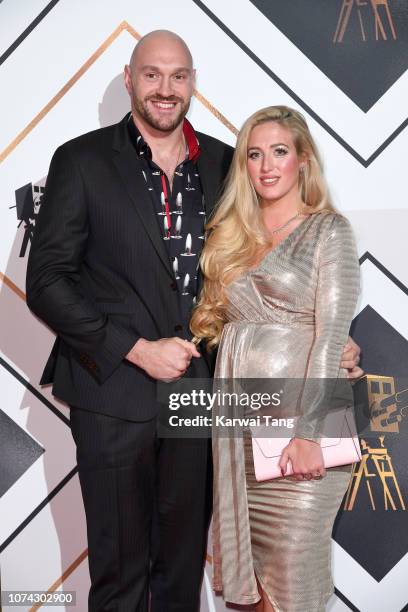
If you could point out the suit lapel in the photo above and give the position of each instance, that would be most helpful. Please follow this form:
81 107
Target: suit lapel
209 178
130 171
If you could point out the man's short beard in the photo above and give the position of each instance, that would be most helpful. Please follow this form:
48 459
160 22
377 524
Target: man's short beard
141 108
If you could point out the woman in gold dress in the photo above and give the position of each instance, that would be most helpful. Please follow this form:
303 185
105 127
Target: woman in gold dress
281 281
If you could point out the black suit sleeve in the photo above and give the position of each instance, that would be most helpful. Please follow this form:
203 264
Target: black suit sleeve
56 256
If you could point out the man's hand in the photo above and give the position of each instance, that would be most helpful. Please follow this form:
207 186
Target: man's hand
350 360
166 359
306 458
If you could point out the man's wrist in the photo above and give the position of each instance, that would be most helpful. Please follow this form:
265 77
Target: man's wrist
136 353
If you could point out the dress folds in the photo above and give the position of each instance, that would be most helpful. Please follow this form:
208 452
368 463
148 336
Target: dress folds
287 318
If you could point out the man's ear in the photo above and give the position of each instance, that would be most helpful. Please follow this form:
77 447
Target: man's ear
128 79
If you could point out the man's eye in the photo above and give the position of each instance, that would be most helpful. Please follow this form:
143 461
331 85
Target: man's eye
179 77
151 75
281 151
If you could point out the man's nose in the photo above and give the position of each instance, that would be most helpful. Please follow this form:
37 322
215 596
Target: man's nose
165 87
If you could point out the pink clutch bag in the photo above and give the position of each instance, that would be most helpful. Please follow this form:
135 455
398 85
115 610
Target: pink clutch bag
336 451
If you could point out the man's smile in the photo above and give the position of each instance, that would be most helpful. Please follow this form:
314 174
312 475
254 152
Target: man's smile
159 104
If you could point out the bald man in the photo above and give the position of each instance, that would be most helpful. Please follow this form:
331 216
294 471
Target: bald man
113 270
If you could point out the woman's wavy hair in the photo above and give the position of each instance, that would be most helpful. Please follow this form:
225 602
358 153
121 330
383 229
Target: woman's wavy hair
235 233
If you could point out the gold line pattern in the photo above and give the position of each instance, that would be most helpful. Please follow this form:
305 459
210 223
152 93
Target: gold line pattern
132 30
216 112
124 25
7 281
64 576
13 144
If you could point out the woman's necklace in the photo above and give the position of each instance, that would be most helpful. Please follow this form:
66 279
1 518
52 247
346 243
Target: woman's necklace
282 227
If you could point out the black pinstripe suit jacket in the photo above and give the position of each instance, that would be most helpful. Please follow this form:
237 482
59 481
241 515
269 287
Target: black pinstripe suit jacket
99 274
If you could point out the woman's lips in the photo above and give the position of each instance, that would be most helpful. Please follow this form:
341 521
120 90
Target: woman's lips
269 180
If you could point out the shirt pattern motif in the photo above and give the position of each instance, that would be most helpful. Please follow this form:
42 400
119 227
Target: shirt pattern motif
182 228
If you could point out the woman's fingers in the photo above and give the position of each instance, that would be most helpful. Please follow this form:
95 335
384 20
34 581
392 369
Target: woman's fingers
355 373
307 472
314 474
306 465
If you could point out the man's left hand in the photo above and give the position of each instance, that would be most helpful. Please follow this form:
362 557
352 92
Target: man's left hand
350 360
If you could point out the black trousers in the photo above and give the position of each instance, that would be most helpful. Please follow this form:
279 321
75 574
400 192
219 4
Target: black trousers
148 506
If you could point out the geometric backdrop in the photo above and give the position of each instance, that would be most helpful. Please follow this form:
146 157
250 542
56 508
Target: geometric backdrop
343 64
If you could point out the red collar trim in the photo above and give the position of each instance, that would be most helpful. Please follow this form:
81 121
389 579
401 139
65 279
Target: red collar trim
191 140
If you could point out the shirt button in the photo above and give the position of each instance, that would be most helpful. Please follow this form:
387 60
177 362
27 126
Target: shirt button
178 327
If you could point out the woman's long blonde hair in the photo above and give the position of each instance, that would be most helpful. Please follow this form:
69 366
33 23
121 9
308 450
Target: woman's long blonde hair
235 233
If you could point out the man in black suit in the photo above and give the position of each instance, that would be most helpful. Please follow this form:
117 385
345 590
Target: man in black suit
102 275
113 271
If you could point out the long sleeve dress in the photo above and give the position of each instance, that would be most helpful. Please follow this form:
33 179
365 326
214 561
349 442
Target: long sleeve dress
287 318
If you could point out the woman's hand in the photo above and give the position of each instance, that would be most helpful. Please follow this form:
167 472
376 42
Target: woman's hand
306 457
350 360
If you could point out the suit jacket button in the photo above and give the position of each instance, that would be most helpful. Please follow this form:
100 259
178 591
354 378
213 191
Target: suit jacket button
173 285
178 327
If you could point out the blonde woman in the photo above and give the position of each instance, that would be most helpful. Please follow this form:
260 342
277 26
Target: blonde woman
281 281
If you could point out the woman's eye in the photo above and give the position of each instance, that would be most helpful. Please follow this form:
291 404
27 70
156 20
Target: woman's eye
281 151
253 155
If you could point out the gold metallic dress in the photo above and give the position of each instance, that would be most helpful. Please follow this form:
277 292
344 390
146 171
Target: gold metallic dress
288 317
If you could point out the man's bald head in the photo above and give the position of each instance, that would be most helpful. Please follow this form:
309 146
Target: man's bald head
160 39
160 80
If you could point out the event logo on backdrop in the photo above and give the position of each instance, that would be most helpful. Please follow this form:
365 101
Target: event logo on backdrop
360 45
380 408
28 203
380 28
374 515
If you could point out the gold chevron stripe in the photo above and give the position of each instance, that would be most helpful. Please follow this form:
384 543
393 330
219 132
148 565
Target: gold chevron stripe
13 144
64 576
124 25
132 30
7 281
216 112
